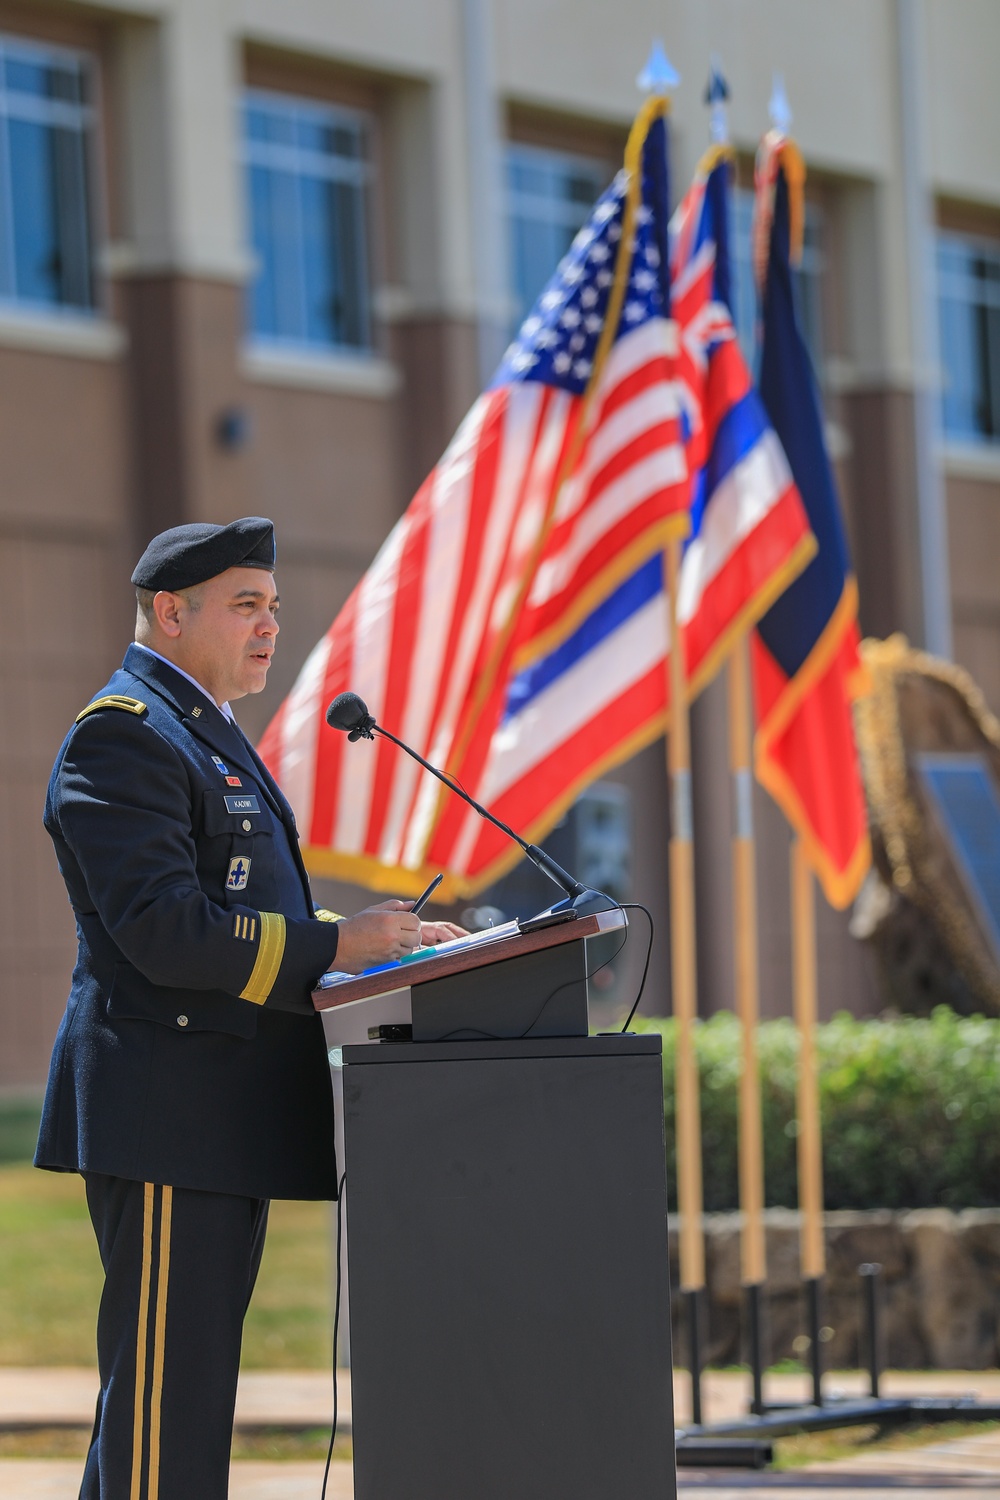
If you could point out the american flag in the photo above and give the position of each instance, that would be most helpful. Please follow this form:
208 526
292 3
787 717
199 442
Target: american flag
512 627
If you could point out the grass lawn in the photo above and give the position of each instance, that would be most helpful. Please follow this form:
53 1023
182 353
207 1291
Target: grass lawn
273 1444
266 1444
854 1442
19 1119
50 1278
50 1271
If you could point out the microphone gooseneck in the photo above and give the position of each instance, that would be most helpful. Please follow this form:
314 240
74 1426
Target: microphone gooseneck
350 713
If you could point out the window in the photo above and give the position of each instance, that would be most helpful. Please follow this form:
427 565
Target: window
549 197
744 292
808 281
307 183
968 271
593 840
46 115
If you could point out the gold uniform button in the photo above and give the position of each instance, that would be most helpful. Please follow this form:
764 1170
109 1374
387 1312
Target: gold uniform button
247 825
182 1020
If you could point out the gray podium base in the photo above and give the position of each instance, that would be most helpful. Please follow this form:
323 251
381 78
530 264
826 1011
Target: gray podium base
510 1304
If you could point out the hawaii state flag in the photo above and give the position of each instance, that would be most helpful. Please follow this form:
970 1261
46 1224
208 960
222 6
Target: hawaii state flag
750 535
805 649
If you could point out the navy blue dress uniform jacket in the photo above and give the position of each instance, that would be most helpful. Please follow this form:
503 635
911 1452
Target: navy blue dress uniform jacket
190 1053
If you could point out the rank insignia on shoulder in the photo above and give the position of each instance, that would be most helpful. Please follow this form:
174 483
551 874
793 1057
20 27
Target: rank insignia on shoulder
113 700
239 873
220 766
245 928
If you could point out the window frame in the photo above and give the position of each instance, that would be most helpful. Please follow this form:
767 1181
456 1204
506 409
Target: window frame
814 264
360 174
89 121
988 245
552 155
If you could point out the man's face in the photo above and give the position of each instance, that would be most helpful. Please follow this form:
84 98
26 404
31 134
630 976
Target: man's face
223 631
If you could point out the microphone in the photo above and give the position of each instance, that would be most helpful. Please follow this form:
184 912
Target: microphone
350 713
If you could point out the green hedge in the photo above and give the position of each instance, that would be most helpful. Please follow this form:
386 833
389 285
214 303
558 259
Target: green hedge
19 1118
911 1110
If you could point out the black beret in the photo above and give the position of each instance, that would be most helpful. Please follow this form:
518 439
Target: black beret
186 555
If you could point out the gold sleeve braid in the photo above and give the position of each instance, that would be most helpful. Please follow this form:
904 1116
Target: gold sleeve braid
323 914
269 955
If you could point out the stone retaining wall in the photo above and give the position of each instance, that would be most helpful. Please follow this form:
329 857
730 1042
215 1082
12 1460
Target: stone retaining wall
940 1288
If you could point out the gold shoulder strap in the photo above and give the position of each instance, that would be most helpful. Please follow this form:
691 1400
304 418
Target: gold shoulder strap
113 700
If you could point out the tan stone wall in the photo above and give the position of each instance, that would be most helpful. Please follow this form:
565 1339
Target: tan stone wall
939 1288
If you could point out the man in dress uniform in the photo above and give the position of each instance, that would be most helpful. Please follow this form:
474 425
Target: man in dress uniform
189 1082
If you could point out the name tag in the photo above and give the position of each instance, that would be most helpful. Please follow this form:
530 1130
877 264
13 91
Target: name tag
244 804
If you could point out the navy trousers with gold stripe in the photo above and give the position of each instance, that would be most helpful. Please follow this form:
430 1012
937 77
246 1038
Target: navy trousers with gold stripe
179 1270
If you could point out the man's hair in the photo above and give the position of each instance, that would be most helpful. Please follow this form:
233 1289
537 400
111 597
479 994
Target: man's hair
144 598
146 615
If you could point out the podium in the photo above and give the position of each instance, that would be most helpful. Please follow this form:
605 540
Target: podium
507 1235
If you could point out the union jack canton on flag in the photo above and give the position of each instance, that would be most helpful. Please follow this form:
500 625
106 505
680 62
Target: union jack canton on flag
750 534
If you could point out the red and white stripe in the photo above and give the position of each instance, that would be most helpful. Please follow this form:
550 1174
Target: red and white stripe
418 627
631 477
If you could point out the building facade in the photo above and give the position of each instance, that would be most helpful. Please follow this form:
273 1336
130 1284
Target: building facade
260 256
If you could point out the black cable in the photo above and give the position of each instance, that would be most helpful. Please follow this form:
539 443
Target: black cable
623 906
638 906
586 978
336 1330
490 1036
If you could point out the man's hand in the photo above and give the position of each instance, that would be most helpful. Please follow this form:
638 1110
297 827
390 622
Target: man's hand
376 935
440 932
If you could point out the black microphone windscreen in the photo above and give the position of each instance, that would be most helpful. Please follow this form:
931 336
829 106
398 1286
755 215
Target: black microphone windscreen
346 711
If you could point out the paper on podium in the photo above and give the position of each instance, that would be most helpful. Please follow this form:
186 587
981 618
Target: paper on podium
454 945
476 951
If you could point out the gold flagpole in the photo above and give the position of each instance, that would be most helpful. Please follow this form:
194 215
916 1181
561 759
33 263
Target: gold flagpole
751 1148
684 983
810 1149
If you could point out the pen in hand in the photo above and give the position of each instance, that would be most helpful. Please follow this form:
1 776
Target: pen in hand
425 896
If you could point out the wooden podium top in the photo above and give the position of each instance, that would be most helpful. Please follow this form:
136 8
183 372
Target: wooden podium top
414 971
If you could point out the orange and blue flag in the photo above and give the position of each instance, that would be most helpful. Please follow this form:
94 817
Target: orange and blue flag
805 649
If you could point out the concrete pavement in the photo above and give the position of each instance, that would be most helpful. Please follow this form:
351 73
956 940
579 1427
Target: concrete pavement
64 1397
971 1465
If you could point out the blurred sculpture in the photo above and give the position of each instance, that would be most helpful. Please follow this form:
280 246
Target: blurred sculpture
930 907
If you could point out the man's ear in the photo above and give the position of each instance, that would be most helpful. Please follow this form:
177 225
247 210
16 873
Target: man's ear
167 609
